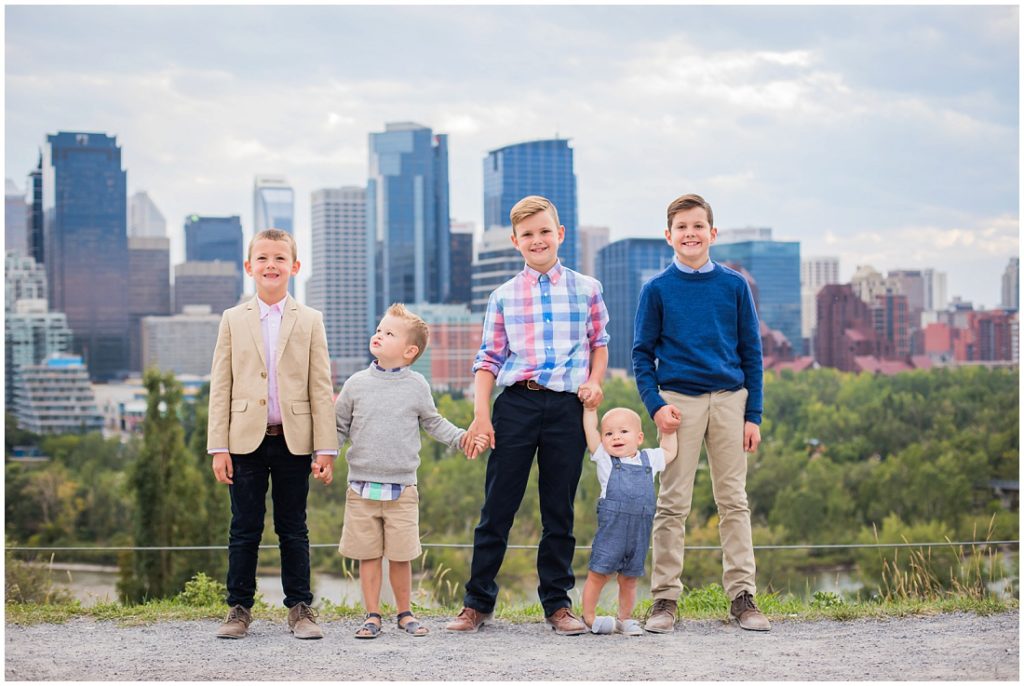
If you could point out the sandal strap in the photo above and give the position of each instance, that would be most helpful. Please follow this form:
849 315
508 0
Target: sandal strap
373 614
407 613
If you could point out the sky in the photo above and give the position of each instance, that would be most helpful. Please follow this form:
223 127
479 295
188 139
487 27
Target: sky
886 136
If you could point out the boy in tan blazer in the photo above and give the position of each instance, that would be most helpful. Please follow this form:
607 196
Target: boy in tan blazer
271 407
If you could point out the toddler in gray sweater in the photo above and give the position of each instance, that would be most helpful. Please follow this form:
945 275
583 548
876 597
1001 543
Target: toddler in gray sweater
381 410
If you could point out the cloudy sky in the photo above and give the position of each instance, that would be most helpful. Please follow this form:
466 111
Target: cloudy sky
884 135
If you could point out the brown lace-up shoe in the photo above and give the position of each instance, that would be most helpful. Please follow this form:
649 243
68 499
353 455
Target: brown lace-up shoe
746 613
469 621
302 622
662 616
565 623
237 623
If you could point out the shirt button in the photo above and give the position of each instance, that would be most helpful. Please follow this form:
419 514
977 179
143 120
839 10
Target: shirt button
263 374
262 401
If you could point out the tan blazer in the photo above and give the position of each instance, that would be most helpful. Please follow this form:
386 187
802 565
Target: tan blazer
238 381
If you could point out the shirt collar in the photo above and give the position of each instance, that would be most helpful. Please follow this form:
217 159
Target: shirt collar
266 309
704 268
554 274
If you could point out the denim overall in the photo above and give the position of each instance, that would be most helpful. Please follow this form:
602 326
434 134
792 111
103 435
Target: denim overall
624 519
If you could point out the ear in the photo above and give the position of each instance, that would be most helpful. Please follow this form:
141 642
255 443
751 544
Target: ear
561 233
668 236
410 352
295 267
640 438
515 241
248 267
714 233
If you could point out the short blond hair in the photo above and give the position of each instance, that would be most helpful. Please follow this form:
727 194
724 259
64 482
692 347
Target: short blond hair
529 206
417 332
625 411
274 235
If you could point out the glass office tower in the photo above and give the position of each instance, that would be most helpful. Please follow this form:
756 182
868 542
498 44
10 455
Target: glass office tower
273 207
216 239
533 168
86 245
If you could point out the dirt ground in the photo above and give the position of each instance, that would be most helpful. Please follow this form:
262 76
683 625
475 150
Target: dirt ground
944 647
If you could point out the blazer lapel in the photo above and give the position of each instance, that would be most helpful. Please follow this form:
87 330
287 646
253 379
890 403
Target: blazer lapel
252 317
291 314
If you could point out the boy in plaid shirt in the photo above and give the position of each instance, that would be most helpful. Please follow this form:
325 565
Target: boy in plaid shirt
545 341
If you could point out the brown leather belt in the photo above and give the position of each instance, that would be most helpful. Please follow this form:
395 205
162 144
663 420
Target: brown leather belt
532 385
274 429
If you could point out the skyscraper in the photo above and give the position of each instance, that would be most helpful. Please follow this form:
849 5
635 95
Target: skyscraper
149 287
205 283
775 265
31 334
460 291
1011 285
15 219
144 218
35 212
407 216
24 279
934 290
496 261
212 239
273 207
815 273
592 239
86 245
542 167
338 283
623 267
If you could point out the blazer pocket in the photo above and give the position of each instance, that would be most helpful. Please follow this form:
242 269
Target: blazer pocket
239 405
301 408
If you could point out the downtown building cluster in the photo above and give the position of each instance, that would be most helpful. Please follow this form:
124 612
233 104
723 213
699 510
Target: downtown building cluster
91 293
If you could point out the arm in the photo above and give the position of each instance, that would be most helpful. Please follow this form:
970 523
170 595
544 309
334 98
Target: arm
590 428
220 406
436 426
646 334
483 385
669 444
751 361
590 391
489 359
320 391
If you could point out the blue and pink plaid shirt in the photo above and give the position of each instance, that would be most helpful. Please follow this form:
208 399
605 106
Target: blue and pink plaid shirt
543 327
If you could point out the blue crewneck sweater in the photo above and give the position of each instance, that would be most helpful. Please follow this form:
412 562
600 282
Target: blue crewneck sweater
703 331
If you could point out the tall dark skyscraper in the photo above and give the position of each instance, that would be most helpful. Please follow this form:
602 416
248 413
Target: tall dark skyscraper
407 216
623 267
216 239
533 168
459 292
35 212
149 287
86 245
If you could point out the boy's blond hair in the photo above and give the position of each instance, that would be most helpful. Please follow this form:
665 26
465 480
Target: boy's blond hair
687 202
274 235
625 411
529 206
417 332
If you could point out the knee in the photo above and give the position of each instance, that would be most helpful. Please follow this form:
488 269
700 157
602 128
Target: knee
732 502
627 583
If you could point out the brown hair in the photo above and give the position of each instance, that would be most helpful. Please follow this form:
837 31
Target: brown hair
417 332
529 206
275 235
687 202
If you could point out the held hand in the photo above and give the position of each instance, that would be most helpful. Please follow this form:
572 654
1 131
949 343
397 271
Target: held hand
668 418
591 394
323 468
751 436
223 468
473 445
481 428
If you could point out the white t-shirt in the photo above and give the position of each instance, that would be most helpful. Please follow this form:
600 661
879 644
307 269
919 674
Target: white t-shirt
656 456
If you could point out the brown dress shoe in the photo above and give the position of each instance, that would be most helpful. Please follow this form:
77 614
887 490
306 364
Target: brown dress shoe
662 617
237 623
565 623
469 621
302 622
746 613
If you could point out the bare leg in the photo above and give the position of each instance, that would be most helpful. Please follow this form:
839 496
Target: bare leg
369 580
400 574
591 592
627 596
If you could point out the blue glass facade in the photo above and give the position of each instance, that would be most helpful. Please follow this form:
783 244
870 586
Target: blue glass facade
622 268
274 208
533 168
86 246
407 217
209 239
775 266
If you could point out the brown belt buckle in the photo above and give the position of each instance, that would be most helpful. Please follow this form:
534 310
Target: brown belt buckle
534 386
274 429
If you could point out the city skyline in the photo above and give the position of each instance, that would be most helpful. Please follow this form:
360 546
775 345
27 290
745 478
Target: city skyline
887 136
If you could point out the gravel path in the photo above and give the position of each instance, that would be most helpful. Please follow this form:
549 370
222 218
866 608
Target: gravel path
946 647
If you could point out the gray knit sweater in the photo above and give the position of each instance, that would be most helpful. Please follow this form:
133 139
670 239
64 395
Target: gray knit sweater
382 412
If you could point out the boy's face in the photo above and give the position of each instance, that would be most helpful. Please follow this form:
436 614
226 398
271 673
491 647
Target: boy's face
620 434
390 343
537 239
691 236
271 265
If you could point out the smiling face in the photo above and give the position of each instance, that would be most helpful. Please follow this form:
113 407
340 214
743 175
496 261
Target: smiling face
537 239
270 265
621 435
390 343
691 236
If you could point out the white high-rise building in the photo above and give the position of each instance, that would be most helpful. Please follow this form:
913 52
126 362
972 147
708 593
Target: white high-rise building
495 261
55 397
181 343
935 298
592 239
31 334
273 207
1011 285
339 283
15 218
815 273
24 279
144 218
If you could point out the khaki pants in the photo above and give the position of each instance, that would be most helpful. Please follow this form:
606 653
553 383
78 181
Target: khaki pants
715 419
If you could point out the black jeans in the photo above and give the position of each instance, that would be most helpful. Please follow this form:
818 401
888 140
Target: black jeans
527 423
253 473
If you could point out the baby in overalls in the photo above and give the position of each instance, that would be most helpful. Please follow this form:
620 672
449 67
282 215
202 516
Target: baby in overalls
625 512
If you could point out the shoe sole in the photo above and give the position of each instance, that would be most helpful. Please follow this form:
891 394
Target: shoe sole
749 628
469 631
230 636
574 632
660 631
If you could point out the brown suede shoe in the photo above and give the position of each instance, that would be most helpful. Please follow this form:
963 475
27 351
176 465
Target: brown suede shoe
746 613
237 623
302 622
565 623
662 616
469 621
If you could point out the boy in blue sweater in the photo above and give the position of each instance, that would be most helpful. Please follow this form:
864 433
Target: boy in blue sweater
697 361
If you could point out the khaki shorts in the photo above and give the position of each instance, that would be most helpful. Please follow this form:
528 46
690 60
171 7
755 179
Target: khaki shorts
381 528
